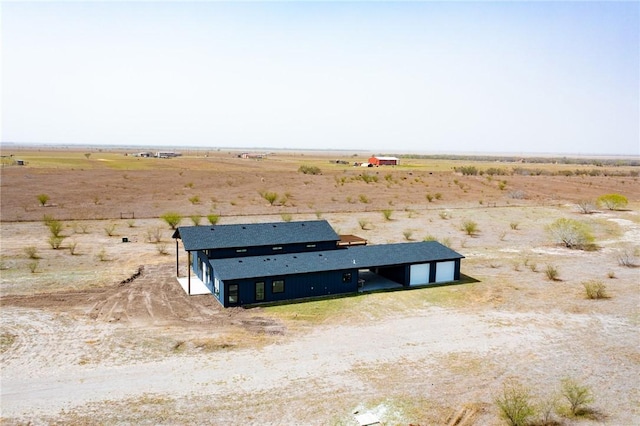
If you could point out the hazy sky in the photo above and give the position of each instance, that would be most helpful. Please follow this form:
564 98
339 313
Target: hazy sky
522 77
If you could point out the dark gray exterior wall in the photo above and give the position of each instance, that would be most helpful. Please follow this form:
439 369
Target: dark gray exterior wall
234 252
295 287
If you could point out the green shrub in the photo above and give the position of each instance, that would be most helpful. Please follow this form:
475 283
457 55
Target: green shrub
194 200
33 266
55 241
364 199
271 197
515 404
552 272
196 218
363 223
386 213
613 201
286 217
31 252
514 225
213 218
571 233
173 219
43 199
54 225
407 234
577 395
595 289
470 227
310 170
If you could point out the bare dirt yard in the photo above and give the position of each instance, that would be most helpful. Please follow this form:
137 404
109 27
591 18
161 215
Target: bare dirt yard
98 331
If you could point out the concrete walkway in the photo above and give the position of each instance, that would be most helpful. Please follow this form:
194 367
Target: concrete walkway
197 286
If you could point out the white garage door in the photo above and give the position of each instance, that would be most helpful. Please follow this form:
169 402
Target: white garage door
419 274
445 271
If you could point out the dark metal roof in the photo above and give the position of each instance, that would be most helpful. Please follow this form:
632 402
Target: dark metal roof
332 260
255 234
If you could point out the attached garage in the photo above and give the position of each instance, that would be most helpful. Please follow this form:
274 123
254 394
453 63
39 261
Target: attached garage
419 274
445 271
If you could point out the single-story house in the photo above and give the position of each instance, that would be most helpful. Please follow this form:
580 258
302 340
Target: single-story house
273 262
384 161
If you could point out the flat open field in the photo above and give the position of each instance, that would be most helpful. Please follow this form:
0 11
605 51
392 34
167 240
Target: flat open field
99 330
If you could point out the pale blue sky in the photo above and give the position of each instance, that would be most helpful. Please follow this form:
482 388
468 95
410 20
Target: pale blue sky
520 77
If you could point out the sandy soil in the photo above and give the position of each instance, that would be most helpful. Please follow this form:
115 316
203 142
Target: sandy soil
116 341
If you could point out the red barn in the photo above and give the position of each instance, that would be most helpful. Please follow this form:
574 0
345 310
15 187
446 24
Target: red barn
384 161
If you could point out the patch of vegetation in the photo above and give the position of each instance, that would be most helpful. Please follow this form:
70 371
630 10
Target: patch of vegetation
515 404
571 233
613 201
577 395
31 252
386 213
110 229
195 219
172 219
269 196
286 217
310 170
194 200
43 199
552 273
470 227
586 206
595 289
213 218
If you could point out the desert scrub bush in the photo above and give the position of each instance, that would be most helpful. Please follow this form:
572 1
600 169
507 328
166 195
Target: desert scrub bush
438 195
33 266
407 233
42 199
514 225
444 215
586 207
110 229
55 242
595 289
31 252
154 235
611 275
466 170
552 273
502 185
368 178
286 217
626 257
102 255
613 201
162 249
364 199
269 196
310 170
55 226
73 247
213 218
577 395
515 405
172 219
196 219
194 200
363 223
470 227
131 223
386 213
571 233
429 198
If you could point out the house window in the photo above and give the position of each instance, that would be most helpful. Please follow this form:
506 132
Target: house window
311 245
346 277
276 248
241 250
277 286
233 294
216 286
259 291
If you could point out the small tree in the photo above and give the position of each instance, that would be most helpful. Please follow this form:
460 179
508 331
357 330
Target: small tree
571 233
43 199
577 395
172 218
613 201
515 404
213 218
